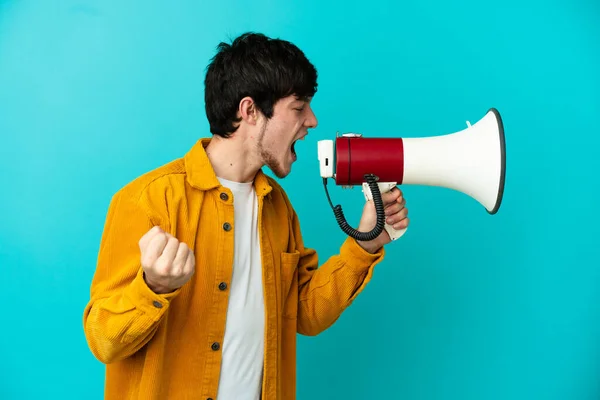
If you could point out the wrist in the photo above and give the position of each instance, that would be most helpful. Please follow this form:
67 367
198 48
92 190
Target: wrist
368 247
158 289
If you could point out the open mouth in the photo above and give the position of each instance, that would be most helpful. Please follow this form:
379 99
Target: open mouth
293 147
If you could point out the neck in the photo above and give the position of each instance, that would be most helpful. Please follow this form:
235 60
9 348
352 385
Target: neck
233 159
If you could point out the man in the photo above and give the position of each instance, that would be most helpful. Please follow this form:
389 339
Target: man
203 279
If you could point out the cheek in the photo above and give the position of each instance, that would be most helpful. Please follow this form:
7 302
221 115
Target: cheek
273 141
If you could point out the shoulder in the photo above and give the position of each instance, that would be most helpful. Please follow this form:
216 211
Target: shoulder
153 184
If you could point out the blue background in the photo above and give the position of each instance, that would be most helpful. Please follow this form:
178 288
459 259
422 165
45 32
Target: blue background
466 306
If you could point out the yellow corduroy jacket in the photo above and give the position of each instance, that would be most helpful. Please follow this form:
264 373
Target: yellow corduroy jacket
167 347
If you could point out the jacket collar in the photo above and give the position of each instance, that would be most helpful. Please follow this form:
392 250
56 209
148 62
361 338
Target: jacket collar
201 175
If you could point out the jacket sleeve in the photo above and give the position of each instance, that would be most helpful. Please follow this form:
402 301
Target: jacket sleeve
326 291
123 313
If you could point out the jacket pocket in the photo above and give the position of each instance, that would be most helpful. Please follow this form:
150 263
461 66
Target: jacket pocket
289 283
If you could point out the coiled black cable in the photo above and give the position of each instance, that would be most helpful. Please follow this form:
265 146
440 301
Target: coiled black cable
341 220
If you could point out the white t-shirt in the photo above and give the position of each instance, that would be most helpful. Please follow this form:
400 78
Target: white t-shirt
243 344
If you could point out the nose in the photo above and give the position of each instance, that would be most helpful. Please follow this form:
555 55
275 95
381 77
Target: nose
311 121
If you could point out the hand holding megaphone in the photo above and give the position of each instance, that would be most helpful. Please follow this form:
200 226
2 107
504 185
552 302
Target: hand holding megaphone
471 161
385 187
396 218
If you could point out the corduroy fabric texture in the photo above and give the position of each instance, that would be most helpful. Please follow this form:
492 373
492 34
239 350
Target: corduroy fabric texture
168 347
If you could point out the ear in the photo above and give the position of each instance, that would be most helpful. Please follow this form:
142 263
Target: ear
248 111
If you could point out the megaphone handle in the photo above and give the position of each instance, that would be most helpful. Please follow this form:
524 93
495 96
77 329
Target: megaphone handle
384 187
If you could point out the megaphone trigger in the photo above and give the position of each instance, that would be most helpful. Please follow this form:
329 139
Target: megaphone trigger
384 187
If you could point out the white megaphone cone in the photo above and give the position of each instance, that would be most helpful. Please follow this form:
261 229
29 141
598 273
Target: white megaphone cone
471 161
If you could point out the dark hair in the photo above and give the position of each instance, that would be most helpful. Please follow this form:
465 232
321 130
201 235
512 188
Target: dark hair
254 65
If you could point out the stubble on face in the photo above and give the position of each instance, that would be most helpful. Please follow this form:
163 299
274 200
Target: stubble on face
268 156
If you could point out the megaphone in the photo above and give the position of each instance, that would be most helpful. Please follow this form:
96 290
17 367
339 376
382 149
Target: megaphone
471 161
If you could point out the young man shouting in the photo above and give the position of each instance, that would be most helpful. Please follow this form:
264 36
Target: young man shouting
203 278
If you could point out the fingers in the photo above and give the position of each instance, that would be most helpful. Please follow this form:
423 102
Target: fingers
168 263
401 224
148 236
181 257
154 249
395 209
397 216
393 196
165 261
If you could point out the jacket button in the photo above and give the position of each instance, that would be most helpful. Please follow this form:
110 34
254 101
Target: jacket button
224 196
222 286
215 346
227 226
157 304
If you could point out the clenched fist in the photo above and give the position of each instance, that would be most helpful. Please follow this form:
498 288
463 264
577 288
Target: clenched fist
168 263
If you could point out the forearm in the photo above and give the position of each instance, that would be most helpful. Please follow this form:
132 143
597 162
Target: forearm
330 289
119 323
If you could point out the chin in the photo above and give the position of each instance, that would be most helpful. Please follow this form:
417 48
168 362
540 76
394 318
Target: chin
281 170
281 173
